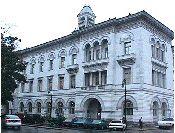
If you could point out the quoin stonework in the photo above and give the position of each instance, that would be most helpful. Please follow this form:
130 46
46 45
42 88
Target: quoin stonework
81 74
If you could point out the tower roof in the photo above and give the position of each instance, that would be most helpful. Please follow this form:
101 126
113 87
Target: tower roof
86 9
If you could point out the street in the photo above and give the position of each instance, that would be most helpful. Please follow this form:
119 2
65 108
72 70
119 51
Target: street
27 129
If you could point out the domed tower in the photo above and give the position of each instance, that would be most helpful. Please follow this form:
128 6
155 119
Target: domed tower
86 17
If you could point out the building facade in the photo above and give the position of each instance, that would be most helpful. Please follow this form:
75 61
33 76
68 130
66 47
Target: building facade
81 74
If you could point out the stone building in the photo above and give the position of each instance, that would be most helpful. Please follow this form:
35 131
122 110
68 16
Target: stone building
81 74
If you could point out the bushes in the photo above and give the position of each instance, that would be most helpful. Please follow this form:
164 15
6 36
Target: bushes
34 119
56 121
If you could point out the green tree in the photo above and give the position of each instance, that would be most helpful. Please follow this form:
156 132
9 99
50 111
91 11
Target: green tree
11 68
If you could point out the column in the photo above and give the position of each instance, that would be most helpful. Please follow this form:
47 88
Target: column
100 83
91 80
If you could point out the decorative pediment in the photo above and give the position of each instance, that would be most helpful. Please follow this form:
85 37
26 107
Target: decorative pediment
72 69
95 67
128 59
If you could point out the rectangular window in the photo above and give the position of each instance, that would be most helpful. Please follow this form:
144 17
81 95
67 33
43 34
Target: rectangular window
127 75
62 61
162 56
96 76
61 82
51 65
153 77
22 87
31 86
40 84
153 51
158 78
72 81
50 80
41 66
32 68
104 77
87 79
74 59
127 46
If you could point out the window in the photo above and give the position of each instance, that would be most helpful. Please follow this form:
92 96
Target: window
106 53
51 65
87 79
41 66
40 84
153 51
155 108
164 109
127 46
163 80
38 105
62 61
60 108
104 77
61 82
32 68
97 54
95 78
48 108
72 81
88 53
71 107
22 87
74 59
153 77
31 86
129 107
30 107
21 107
127 75
50 80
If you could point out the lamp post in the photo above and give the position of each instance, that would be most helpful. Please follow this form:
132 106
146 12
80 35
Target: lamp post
124 85
49 93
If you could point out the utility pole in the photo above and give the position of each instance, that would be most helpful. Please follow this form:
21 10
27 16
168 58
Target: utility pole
124 85
50 115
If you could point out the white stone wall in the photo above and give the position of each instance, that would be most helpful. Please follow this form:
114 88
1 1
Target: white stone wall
141 89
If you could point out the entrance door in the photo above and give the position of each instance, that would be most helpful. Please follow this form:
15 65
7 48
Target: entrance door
93 108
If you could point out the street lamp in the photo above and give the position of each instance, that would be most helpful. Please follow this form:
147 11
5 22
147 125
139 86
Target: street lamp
50 93
124 85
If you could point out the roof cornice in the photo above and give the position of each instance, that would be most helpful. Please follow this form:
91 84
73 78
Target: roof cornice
142 15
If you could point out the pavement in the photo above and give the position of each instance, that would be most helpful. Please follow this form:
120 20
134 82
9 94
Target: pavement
60 128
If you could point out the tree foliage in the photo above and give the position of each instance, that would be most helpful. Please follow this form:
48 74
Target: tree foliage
11 68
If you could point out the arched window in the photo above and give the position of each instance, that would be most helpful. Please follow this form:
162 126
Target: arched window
38 106
104 47
71 107
21 107
48 107
164 109
60 108
74 59
88 53
30 107
96 51
129 108
155 108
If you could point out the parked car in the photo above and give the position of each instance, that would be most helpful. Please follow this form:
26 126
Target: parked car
99 124
68 122
10 121
114 125
166 123
81 122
